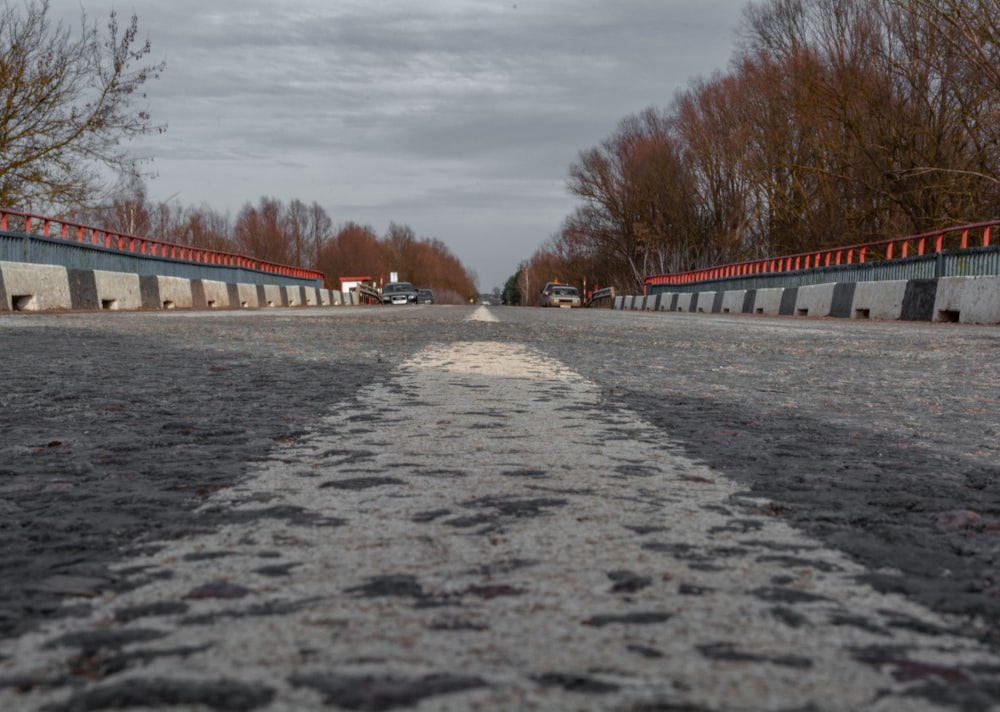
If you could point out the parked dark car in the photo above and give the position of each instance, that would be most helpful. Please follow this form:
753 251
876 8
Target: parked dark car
555 294
425 296
399 293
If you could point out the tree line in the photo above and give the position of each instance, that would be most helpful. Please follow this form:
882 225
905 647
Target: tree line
293 233
69 101
837 122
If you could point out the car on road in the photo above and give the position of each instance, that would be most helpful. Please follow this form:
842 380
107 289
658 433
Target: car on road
399 293
557 294
425 296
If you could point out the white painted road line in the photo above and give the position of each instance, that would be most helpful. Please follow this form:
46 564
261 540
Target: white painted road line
482 314
490 538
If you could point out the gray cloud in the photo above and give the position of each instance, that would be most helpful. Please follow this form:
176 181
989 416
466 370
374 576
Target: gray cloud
459 118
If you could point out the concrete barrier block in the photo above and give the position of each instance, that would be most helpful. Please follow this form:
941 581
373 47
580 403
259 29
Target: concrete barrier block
149 289
789 296
198 300
969 300
336 298
705 302
768 301
918 303
273 296
684 300
814 300
843 300
246 296
879 300
82 288
31 287
118 290
324 297
175 292
732 301
216 294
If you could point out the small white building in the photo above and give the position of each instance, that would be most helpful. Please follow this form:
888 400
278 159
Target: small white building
350 284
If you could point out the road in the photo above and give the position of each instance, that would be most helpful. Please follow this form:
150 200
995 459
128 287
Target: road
450 508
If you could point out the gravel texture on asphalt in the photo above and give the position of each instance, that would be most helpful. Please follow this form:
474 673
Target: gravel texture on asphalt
442 508
880 439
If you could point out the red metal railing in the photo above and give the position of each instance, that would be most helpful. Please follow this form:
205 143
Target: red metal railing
928 243
145 246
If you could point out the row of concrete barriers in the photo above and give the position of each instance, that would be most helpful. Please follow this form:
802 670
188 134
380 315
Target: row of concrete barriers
39 287
971 300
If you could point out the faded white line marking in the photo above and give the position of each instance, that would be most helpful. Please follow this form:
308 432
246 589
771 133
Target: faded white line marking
482 314
522 524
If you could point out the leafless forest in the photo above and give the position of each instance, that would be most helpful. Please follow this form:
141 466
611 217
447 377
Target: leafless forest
837 122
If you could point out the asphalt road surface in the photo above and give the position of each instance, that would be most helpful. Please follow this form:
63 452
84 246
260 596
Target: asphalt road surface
449 508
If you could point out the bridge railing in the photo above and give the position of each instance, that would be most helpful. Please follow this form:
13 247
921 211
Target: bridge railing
602 298
958 238
30 224
368 294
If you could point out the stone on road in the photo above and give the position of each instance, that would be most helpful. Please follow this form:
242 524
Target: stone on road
475 532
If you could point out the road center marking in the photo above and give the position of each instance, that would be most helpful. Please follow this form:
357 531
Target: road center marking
485 515
482 314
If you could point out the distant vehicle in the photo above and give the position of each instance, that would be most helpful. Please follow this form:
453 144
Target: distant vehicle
399 293
556 294
425 296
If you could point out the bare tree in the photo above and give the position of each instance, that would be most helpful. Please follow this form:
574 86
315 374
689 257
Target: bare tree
320 229
971 27
66 105
637 213
261 231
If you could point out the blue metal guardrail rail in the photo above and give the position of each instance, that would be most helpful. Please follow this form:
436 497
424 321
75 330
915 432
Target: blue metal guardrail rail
946 253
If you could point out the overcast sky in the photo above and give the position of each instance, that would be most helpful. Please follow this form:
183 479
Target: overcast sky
459 118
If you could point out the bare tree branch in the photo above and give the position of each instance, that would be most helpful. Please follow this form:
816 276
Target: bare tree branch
66 105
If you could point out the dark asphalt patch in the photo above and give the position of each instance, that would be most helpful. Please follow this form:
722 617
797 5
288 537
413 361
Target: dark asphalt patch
730 653
220 696
397 585
583 684
159 415
876 439
362 483
374 694
636 618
